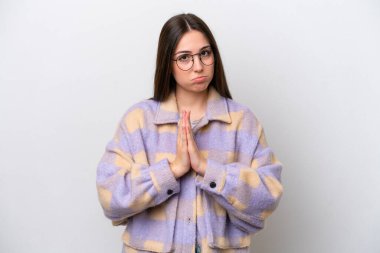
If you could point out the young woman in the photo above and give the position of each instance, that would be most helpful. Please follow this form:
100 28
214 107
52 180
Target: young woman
188 170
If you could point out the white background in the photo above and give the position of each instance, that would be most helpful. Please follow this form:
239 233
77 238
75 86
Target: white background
310 71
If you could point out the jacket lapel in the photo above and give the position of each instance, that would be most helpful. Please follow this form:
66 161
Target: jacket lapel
217 109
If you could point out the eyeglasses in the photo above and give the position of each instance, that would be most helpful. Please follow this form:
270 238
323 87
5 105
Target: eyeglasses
186 61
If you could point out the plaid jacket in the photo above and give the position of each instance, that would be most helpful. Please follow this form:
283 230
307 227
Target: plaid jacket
240 188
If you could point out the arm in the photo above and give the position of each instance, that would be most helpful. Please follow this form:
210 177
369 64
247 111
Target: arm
249 193
125 187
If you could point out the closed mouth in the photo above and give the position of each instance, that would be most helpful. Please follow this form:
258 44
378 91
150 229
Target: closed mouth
198 77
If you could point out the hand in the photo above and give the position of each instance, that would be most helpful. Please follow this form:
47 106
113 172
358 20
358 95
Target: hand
181 163
197 161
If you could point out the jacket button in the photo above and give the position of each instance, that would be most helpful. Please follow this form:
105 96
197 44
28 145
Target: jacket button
170 191
212 184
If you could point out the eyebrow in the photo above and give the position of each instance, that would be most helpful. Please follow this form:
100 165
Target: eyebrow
186 51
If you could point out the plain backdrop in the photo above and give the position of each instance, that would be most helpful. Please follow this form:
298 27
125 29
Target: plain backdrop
309 70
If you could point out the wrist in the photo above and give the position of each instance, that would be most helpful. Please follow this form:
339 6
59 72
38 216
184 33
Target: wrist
202 167
172 168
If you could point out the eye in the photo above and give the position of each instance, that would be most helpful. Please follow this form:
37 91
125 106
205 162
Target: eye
184 57
206 53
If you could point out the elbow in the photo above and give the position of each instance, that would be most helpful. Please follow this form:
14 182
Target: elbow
118 216
113 210
249 224
275 191
269 206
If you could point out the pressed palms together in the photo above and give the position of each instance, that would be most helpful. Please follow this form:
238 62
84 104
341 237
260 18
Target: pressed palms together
187 155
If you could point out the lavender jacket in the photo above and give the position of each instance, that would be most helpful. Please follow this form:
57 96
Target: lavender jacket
240 189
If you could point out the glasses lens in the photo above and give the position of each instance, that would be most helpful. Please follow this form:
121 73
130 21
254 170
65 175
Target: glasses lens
207 57
207 60
185 62
185 65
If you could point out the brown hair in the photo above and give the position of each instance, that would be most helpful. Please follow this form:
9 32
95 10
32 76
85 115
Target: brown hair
171 33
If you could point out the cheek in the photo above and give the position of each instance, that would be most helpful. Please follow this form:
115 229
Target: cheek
178 76
211 71
174 72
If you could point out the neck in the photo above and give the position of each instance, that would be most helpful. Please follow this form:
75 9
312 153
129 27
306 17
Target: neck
195 102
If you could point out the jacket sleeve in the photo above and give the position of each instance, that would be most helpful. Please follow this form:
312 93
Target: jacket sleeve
126 187
249 193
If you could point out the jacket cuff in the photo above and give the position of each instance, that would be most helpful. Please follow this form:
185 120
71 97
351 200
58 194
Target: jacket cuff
214 178
163 180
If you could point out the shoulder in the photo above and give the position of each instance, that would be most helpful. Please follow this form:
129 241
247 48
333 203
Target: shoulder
233 106
137 114
145 105
242 113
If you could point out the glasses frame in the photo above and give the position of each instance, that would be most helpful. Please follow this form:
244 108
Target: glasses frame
192 59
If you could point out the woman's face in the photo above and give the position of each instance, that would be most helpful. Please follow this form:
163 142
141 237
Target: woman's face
193 42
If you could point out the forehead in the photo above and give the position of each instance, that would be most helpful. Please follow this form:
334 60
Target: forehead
192 41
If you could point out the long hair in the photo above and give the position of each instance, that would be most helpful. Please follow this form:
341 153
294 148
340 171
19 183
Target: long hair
171 33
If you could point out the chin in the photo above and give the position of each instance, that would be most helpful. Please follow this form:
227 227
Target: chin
195 87
203 85
200 87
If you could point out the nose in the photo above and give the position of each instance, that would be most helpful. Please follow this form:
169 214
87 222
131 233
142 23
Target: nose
198 65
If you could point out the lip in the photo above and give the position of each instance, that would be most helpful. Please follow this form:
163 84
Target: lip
199 79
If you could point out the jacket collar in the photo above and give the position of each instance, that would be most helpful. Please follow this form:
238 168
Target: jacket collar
217 108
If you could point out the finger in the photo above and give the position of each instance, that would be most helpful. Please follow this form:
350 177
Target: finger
189 129
185 121
183 126
190 140
179 129
179 121
188 126
185 118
